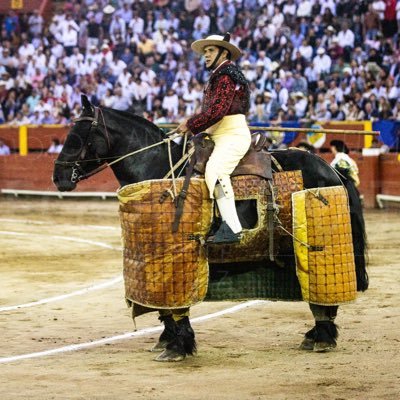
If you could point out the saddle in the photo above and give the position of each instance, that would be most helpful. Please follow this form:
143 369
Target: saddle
257 160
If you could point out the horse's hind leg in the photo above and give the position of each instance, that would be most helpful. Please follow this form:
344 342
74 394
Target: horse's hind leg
322 337
183 342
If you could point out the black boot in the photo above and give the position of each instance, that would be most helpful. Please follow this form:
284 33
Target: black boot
224 235
167 335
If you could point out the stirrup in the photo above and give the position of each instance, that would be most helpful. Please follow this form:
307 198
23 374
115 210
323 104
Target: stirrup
224 235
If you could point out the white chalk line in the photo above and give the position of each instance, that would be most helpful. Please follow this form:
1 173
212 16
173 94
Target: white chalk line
34 222
64 296
128 335
67 295
67 238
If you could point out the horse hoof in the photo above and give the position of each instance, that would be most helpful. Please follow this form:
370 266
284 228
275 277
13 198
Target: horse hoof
307 344
323 347
160 346
170 356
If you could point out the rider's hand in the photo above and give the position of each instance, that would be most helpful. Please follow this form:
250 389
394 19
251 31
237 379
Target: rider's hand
183 129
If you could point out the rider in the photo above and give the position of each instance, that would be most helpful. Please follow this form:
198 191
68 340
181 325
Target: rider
225 103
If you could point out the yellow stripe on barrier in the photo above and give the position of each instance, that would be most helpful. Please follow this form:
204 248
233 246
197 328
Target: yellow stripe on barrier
23 140
368 138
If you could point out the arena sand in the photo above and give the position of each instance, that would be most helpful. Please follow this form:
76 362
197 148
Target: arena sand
251 354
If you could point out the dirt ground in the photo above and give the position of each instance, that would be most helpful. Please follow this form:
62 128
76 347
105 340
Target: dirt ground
56 247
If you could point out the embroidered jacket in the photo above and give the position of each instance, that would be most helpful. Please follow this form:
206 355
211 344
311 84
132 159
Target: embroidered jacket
227 93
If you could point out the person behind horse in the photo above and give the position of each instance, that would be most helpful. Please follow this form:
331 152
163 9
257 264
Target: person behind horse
343 162
225 103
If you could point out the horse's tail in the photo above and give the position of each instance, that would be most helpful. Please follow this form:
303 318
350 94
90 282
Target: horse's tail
358 232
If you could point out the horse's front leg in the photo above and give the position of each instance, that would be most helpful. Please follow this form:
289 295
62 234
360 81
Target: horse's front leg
178 339
169 332
322 337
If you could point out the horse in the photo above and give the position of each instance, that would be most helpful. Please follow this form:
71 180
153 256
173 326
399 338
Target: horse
136 150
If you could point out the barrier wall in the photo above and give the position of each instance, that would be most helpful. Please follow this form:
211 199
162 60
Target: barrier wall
389 174
38 138
45 7
33 171
378 175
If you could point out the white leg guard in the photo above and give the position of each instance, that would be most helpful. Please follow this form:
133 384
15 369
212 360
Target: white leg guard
227 209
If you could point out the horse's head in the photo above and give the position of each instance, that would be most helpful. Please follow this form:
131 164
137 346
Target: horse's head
85 148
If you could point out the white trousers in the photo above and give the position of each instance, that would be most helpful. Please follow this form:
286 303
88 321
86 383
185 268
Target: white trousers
232 139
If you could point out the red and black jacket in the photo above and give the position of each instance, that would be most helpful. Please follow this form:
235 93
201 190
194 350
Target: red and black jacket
227 93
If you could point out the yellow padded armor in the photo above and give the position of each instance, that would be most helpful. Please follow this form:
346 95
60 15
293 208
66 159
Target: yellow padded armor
323 246
164 269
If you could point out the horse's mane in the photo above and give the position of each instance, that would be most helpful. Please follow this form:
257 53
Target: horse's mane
136 119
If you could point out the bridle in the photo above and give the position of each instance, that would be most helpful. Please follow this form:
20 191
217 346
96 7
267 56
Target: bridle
78 173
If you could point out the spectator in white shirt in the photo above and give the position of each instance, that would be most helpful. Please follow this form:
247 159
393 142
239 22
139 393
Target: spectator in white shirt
289 9
124 77
25 50
102 87
346 36
125 13
108 99
249 72
147 75
300 104
202 22
4 149
305 50
379 6
278 18
69 38
331 4
171 101
35 22
117 26
55 147
116 67
280 93
137 23
304 8
322 62
121 102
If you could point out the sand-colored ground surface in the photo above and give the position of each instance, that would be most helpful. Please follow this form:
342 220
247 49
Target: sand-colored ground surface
56 247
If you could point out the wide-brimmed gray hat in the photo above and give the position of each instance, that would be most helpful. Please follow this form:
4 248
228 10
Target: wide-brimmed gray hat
216 40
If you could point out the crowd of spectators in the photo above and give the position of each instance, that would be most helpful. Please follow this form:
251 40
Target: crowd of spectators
306 60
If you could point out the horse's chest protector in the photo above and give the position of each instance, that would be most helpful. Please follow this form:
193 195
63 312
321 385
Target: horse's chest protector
164 269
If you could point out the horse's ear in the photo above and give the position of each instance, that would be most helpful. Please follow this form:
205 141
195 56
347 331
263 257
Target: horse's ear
85 102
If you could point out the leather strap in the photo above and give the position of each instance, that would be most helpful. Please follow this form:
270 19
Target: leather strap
270 220
180 199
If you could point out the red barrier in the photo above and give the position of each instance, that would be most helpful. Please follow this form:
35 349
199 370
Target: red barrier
390 174
20 6
370 180
10 136
33 172
40 137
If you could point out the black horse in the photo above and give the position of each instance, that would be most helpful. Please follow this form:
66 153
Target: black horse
100 136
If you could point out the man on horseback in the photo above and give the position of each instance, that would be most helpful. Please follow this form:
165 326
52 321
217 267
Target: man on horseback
225 103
